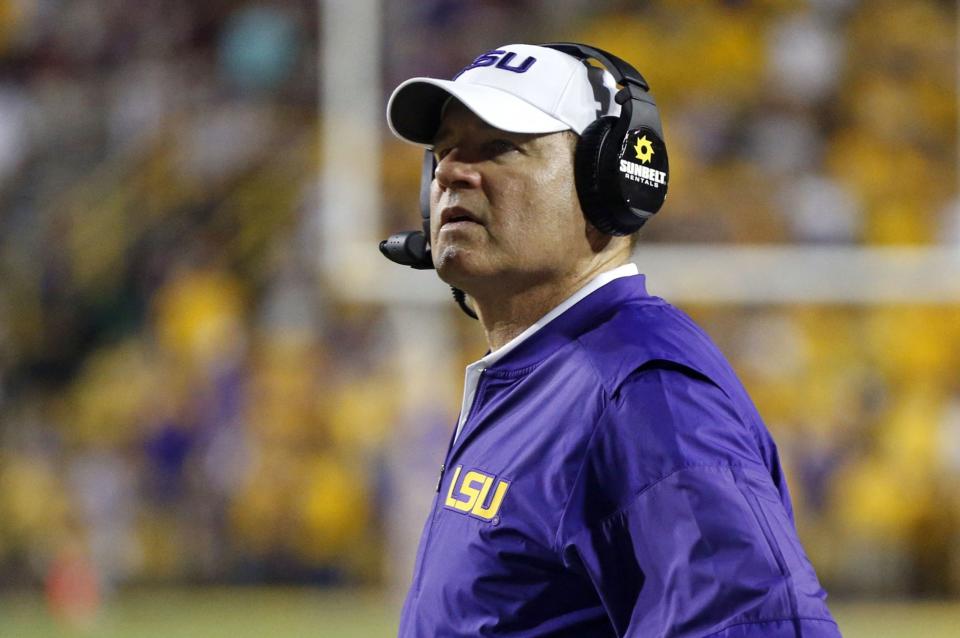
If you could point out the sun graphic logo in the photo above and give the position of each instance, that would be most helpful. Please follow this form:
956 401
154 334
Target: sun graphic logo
644 150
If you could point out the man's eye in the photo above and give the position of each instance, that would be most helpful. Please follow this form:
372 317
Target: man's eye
440 153
498 147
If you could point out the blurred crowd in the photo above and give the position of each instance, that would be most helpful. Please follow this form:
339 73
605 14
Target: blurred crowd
184 397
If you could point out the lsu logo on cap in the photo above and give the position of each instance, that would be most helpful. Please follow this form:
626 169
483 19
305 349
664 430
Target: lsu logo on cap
471 494
500 59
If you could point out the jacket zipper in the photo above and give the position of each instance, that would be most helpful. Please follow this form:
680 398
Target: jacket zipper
438 504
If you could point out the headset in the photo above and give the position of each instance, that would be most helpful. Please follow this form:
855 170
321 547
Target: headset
621 167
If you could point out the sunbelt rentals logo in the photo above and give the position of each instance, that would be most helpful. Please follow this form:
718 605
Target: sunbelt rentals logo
639 171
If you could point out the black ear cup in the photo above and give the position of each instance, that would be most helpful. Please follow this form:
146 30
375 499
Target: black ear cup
621 182
620 163
592 167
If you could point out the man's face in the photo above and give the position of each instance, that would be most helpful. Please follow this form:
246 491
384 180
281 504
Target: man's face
504 212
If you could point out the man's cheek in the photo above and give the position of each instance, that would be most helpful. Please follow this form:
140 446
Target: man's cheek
434 225
434 210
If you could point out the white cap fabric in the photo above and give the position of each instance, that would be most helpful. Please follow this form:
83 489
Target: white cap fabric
519 88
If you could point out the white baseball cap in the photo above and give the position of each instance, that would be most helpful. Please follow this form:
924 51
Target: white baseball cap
519 88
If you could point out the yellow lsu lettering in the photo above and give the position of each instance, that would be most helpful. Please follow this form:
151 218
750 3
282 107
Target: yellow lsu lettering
475 488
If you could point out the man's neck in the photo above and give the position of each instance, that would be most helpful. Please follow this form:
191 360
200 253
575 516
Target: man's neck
506 313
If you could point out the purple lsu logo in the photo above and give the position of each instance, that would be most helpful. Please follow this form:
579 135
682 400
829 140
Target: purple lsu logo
497 57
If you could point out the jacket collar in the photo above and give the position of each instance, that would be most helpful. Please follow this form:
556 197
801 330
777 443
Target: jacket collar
567 322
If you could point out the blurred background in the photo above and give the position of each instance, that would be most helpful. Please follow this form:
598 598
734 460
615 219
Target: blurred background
219 404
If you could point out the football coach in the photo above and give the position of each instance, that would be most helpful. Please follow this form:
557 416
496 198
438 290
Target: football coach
608 474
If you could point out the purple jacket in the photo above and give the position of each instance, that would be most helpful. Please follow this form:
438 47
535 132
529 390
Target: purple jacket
613 478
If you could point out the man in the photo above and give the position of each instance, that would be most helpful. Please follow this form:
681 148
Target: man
608 475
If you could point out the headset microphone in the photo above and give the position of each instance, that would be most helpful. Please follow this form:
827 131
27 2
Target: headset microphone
412 247
409 248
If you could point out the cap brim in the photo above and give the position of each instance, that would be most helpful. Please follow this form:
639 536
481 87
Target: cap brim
415 108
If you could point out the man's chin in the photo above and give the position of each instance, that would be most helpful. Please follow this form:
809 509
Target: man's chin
460 266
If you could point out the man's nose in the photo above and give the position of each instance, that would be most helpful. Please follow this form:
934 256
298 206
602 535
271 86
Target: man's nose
454 172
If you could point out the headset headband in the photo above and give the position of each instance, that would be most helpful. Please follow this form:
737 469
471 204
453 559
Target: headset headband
634 91
621 70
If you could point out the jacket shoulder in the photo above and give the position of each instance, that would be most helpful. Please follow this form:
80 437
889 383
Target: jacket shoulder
646 332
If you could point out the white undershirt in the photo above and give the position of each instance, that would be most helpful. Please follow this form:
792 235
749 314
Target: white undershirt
472 375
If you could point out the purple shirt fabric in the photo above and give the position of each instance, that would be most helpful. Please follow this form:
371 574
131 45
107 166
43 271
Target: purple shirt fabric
613 478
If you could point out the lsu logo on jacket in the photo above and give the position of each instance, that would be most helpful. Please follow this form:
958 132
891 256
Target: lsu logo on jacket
474 493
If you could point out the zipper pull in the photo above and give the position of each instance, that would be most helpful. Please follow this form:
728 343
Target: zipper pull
443 466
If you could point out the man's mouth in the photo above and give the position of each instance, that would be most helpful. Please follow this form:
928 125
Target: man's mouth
456 215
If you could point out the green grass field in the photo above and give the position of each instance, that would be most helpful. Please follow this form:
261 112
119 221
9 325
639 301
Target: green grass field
239 613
